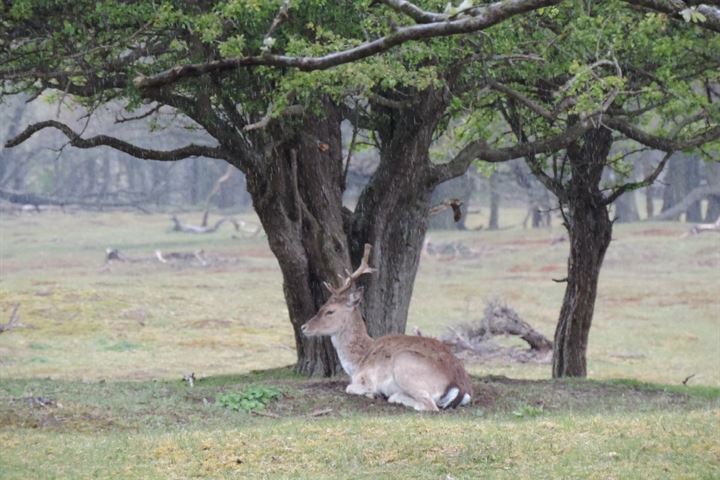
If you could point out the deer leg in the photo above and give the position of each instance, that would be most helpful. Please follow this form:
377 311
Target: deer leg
422 404
359 386
416 377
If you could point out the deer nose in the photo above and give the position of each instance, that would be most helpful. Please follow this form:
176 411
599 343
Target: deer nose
304 328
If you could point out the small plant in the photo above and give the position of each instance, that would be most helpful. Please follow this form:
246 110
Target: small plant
253 398
528 411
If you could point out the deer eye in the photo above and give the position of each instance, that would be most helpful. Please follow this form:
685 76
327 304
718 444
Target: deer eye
329 312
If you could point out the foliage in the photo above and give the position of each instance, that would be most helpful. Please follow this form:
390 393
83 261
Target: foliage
528 411
254 397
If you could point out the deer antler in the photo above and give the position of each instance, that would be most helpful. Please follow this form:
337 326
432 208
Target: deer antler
352 277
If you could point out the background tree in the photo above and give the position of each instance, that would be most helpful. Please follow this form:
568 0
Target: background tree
615 75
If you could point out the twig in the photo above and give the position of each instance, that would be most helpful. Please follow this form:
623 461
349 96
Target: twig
14 320
321 412
687 379
264 414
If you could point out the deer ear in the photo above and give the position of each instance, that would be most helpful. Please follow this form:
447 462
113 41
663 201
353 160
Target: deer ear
354 298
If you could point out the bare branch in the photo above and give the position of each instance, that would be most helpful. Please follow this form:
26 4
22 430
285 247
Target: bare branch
14 320
649 180
662 143
415 12
479 150
262 123
281 16
191 150
122 119
535 107
674 8
487 16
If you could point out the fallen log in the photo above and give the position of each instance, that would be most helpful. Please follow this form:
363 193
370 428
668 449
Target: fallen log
178 226
14 321
476 341
705 227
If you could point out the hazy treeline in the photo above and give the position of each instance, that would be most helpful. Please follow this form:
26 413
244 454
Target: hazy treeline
103 177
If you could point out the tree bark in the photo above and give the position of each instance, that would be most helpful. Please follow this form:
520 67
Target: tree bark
392 211
590 229
494 202
298 198
712 175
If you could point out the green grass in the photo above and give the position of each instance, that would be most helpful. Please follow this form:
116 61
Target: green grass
98 376
515 429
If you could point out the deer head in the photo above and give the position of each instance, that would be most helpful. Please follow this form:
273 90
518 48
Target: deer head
337 310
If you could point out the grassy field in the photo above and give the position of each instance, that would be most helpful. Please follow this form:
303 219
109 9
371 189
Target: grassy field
93 389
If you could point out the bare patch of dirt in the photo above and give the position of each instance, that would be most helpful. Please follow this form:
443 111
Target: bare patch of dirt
549 268
210 323
658 232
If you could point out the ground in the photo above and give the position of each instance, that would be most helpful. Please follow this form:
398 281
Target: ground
98 375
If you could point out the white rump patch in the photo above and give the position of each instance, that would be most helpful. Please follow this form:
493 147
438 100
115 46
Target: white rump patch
448 398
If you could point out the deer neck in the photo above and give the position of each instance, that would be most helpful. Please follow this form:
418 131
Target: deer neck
352 343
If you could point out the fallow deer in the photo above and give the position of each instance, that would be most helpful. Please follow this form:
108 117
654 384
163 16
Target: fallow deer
418 372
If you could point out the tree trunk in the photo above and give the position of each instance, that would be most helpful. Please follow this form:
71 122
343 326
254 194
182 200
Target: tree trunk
692 180
590 229
494 202
712 175
298 197
392 211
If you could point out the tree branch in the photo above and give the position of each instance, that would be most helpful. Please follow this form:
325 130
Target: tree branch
674 8
415 12
661 143
535 107
191 150
479 150
486 17
649 180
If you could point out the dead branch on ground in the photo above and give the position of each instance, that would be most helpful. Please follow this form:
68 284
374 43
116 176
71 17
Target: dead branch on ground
476 340
190 228
704 227
14 322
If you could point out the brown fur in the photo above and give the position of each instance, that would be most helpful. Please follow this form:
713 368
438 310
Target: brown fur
414 371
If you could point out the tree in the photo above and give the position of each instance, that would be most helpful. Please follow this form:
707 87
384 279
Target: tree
283 134
270 123
618 76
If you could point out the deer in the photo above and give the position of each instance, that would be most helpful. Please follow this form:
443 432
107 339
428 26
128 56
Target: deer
418 372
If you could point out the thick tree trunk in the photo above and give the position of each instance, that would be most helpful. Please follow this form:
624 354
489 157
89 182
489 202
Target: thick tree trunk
298 198
589 239
297 194
590 230
392 211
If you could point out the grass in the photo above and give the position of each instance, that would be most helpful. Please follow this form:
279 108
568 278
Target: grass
515 429
98 376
